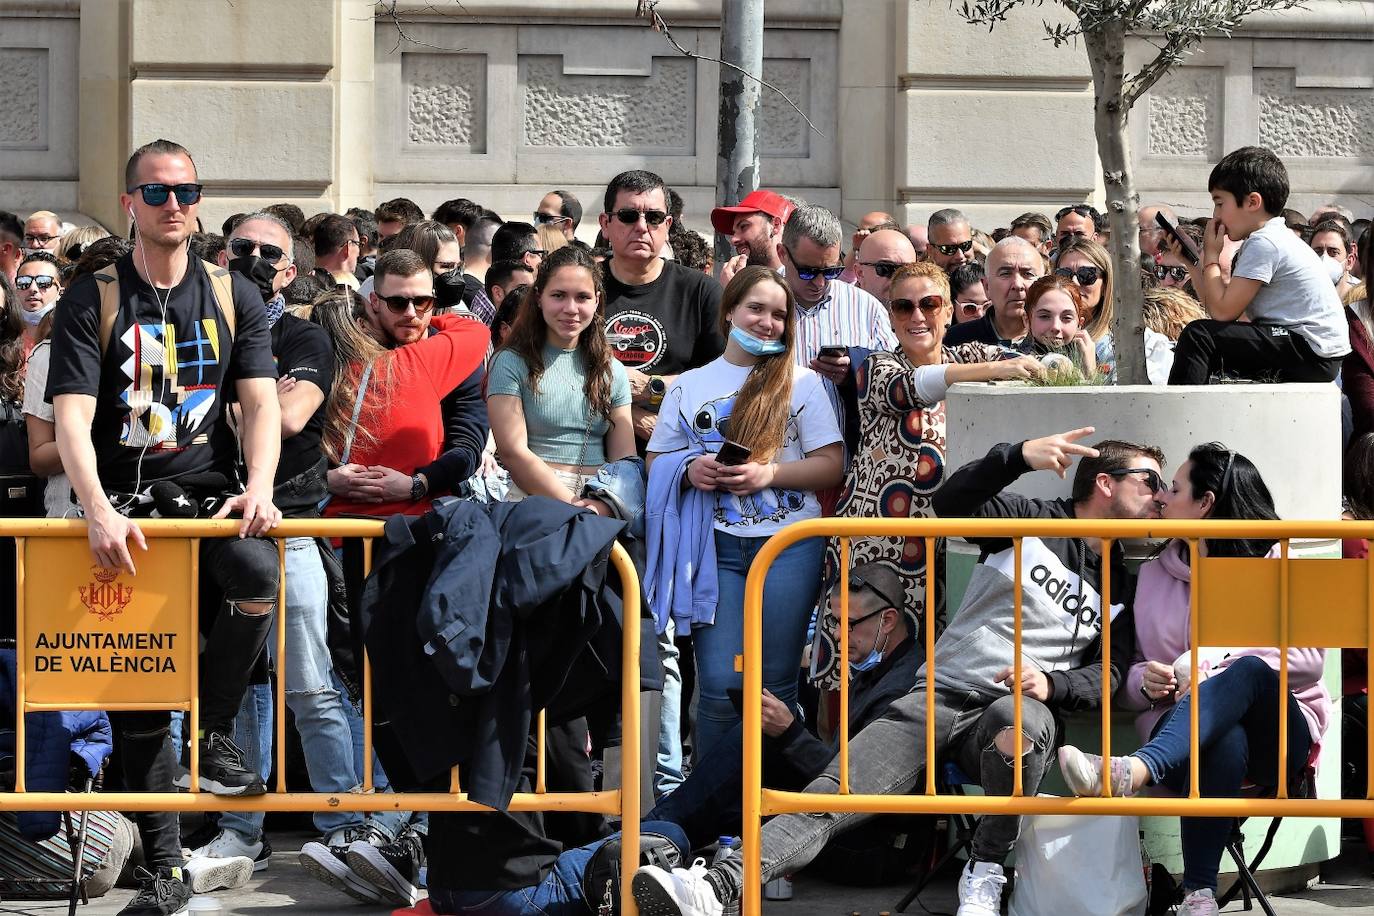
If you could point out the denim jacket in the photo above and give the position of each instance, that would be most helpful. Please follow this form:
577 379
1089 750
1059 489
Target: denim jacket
621 485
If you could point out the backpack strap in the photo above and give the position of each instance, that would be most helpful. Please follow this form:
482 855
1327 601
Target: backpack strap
223 286
221 283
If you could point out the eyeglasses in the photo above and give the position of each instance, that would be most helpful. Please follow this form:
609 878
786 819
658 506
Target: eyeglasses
43 282
40 239
399 304
630 216
1163 272
1151 477
969 309
1083 276
543 219
539 252
858 620
242 248
811 273
1081 209
948 250
926 304
155 195
884 269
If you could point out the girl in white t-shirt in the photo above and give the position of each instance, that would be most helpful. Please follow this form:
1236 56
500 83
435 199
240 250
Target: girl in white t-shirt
754 397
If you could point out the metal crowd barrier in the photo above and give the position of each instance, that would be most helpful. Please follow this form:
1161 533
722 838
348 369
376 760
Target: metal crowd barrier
97 639
1280 603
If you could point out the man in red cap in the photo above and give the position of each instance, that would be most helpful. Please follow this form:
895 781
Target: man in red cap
754 227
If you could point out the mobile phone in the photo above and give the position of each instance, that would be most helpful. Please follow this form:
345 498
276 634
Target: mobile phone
1186 244
834 351
732 454
736 697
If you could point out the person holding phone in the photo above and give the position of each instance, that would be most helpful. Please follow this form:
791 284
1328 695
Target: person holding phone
757 398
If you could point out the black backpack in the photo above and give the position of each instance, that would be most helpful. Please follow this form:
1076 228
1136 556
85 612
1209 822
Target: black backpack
21 492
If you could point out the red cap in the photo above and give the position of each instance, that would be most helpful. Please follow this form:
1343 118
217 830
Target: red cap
775 205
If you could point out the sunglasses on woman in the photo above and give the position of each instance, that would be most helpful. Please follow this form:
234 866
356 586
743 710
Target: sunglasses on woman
43 282
155 194
1083 276
242 248
884 269
630 216
927 304
399 304
1178 274
948 250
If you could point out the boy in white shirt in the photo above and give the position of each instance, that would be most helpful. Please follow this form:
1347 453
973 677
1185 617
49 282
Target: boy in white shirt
1296 330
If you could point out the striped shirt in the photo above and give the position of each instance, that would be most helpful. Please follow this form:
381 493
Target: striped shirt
846 316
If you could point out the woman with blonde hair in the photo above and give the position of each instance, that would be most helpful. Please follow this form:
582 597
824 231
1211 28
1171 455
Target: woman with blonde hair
1090 266
757 435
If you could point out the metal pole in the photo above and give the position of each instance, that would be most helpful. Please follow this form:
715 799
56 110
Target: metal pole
737 152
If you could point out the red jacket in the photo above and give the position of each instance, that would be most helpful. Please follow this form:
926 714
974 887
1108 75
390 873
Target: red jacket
1357 375
401 407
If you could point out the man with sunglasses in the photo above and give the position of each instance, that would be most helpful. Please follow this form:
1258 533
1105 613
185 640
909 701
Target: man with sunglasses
1078 219
951 239
879 256
1013 265
561 210
130 421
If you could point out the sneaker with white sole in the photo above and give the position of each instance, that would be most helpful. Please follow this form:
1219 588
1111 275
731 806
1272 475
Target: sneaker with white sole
328 861
223 769
980 889
218 873
229 843
681 892
161 892
1201 902
395 867
1083 773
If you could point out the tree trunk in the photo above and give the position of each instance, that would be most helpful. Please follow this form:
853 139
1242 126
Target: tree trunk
1106 48
737 152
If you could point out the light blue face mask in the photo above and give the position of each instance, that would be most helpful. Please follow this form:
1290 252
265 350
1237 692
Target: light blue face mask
874 656
756 346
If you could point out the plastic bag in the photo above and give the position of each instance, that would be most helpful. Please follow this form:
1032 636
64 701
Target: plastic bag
1079 865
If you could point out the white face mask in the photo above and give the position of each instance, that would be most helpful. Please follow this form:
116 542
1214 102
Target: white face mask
32 318
1334 269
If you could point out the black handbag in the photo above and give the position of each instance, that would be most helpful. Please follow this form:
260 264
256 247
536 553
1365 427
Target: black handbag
21 491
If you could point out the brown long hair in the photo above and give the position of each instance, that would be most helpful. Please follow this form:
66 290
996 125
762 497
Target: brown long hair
341 315
758 420
530 333
13 360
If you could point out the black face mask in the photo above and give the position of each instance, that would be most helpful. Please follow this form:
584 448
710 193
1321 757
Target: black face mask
448 289
261 272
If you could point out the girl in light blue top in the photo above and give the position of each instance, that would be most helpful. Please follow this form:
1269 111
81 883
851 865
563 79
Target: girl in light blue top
559 404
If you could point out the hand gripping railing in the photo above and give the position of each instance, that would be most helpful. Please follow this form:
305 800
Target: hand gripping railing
52 562
1279 603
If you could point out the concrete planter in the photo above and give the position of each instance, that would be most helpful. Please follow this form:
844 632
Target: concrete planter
1291 432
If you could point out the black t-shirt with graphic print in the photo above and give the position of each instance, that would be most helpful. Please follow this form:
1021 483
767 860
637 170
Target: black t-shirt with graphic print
160 387
665 327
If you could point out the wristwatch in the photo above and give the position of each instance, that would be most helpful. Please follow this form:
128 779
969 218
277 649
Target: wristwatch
418 488
657 389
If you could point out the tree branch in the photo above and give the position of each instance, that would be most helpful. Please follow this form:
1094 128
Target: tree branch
647 9
385 11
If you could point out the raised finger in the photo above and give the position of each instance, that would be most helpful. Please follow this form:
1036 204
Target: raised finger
1074 435
1088 450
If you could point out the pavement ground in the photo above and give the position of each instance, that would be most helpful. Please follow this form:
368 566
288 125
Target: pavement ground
1345 888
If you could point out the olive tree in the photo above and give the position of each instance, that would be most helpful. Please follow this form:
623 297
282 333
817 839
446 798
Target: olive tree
1174 28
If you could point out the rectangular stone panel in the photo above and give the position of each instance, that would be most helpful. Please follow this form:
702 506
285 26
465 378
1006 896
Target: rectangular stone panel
1183 114
941 45
1313 123
263 35
446 100
782 132
23 105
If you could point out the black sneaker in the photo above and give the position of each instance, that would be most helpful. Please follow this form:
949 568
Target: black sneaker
395 867
328 861
222 769
160 893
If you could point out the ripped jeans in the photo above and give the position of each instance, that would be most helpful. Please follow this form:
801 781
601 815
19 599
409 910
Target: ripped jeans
888 758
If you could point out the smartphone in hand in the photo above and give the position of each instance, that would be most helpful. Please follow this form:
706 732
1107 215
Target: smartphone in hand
732 454
1185 243
834 351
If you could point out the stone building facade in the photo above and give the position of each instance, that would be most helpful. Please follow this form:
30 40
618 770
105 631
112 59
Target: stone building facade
326 104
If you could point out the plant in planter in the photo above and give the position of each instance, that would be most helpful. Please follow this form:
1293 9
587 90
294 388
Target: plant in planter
1175 28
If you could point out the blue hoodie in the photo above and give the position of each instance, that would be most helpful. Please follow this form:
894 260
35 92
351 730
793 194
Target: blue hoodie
680 568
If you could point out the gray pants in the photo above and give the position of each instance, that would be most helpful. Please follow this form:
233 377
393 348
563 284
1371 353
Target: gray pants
888 758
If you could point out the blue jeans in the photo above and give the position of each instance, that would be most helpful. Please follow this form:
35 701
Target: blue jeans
559 894
668 768
1238 734
789 597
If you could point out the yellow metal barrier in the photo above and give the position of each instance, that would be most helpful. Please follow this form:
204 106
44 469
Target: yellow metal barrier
106 613
1280 603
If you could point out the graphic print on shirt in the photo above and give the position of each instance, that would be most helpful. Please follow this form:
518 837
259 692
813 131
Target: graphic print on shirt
172 385
711 424
1047 581
636 339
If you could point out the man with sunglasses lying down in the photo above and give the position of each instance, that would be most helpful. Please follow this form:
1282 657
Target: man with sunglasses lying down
1063 613
1013 265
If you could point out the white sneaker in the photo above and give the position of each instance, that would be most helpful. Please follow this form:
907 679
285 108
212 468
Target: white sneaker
217 873
230 843
980 889
1200 902
681 892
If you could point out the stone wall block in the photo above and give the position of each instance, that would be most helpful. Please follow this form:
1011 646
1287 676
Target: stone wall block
271 35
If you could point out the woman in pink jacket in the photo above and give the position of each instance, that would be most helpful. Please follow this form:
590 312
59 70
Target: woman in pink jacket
1239 712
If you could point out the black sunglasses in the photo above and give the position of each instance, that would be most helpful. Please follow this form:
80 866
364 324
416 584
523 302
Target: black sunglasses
1179 274
884 269
948 250
630 216
155 194
543 219
1081 209
43 282
811 273
242 248
926 304
1151 477
399 304
1083 276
